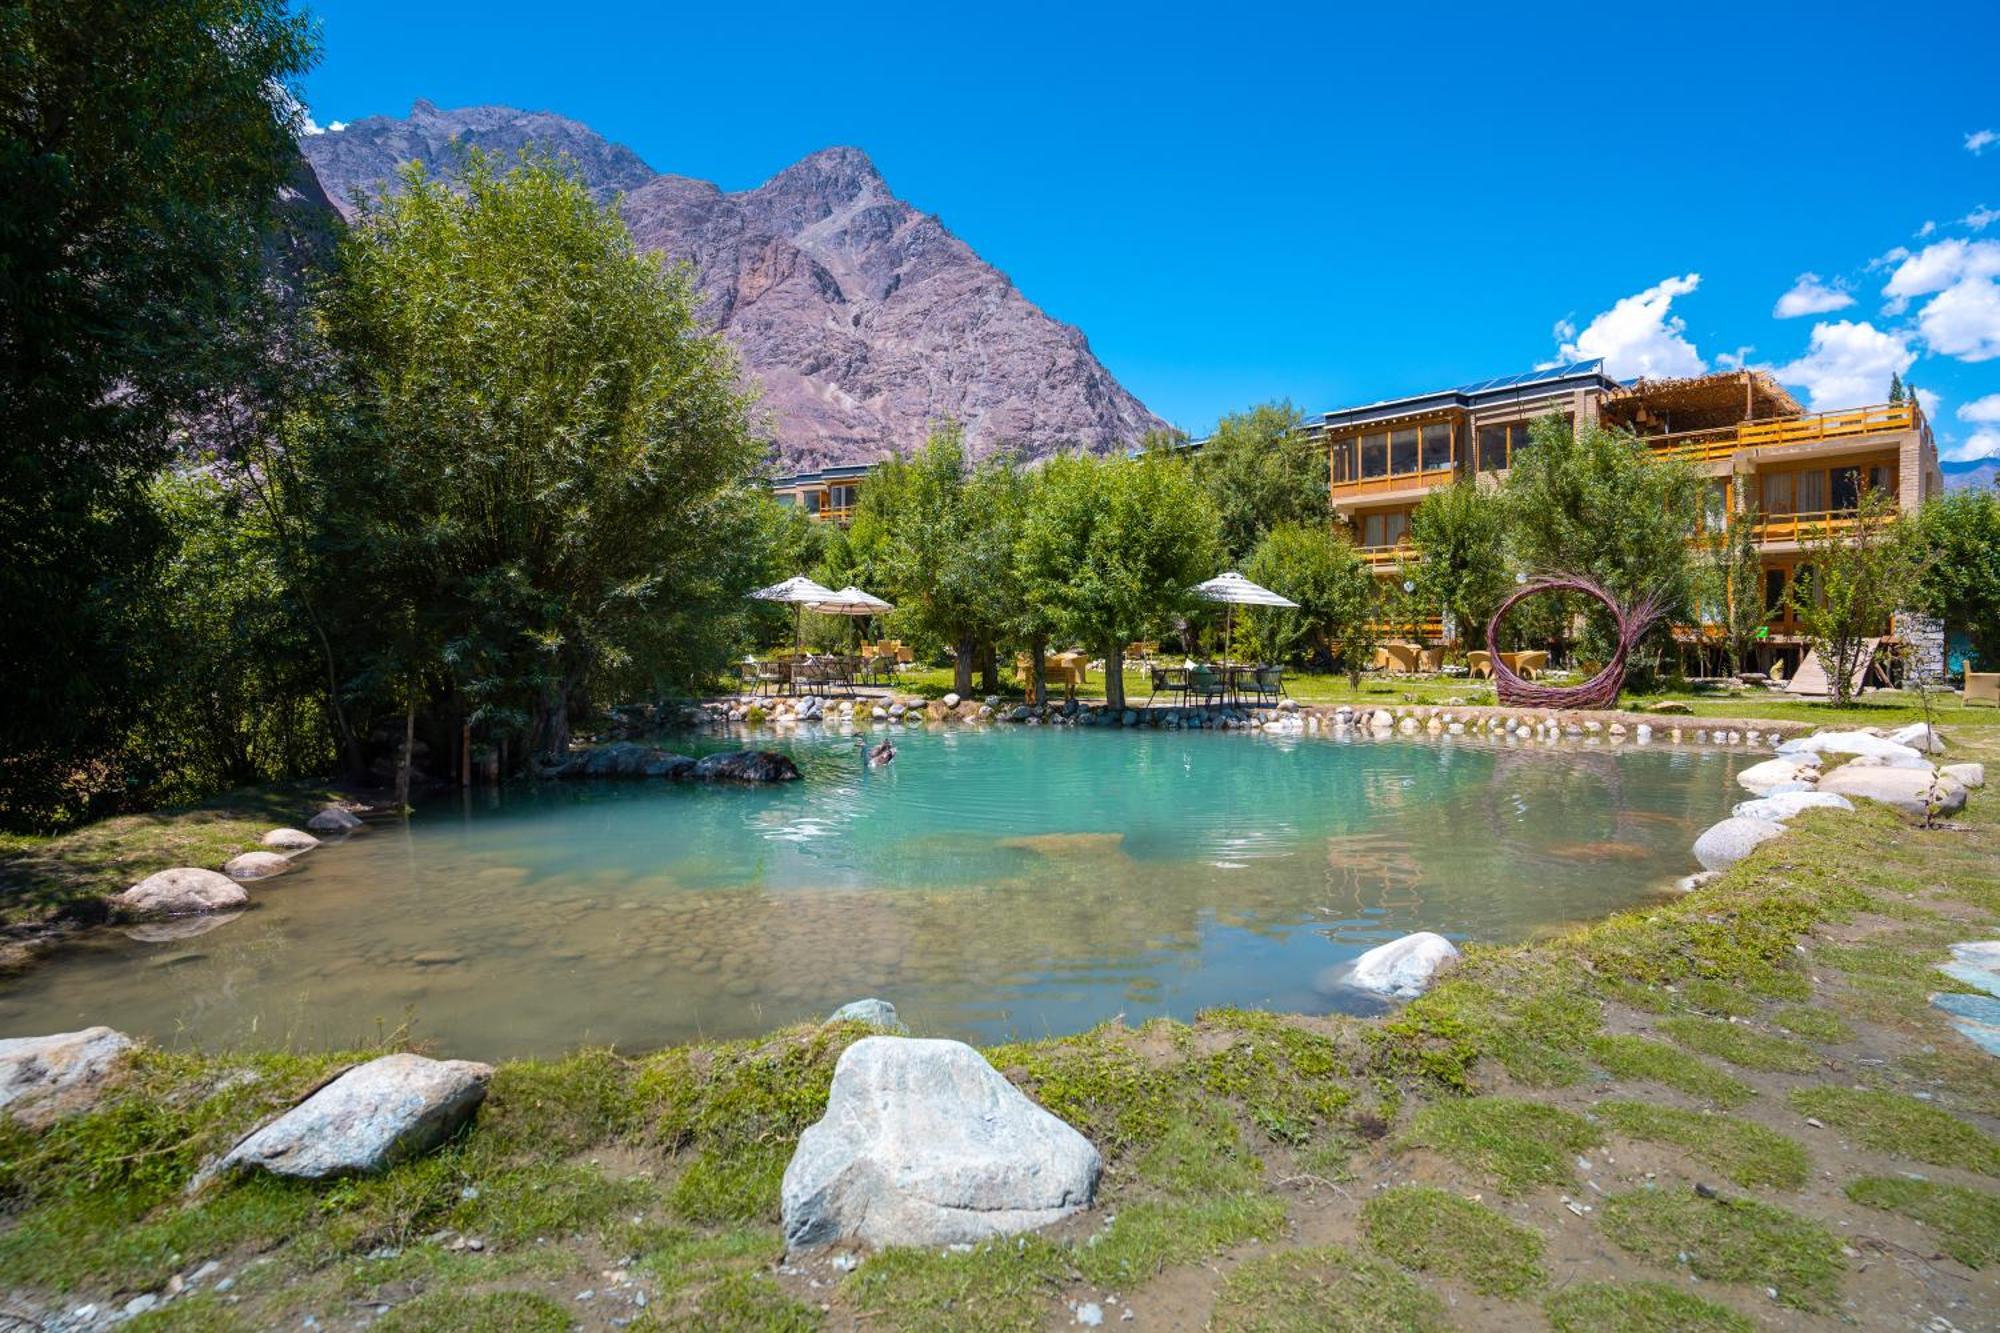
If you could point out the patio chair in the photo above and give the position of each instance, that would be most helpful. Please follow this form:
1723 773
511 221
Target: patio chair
1401 657
1430 660
1170 680
1982 687
1529 666
881 668
771 676
1267 684
1479 665
1206 682
1077 662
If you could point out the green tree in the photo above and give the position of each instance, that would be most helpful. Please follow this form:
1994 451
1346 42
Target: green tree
142 147
1314 565
1896 392
1730 584
944 549
532 477
1111 549
1259 470
1850 581
1460 535
1960 536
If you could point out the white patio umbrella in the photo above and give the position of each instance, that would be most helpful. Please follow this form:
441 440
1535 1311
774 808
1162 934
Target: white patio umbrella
851 601
801 592
1233 590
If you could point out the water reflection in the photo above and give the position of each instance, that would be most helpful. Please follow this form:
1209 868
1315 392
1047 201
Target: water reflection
991 883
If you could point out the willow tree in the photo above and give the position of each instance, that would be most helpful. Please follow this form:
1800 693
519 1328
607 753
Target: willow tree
532 474
1850 581
1460 534
1259 471
1110 550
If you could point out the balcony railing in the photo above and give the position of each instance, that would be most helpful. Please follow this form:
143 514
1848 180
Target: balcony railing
1798 527
1439 476
1708 446
1388 557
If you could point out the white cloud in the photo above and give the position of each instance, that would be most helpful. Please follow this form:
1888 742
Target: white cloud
1639 337
1735 360
1810 296
1981 444
1930 402
1982 411
1963 320
1982 217
1979 141
336 127
1927 229
307 125
1939 266
1848 364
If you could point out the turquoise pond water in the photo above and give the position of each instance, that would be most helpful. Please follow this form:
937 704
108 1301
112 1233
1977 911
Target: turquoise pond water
993 882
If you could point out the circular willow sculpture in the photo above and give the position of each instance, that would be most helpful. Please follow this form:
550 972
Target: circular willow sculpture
1601 690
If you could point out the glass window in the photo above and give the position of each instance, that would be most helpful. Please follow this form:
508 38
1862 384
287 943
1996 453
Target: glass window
843 497
1882 478
1374 456
1343 460
812 502
1492 448
787 499
1398 526
1774 590
1715 511
1372 529
1846 489
1803 577
1812 492
1780 493
1437 446
1402 453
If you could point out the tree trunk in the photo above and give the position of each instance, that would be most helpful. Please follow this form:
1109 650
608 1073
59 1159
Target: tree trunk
1114 677
555 722
1038 685
989 669
961 667
409 746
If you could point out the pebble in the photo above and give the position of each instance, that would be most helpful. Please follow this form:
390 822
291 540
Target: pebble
1090 1314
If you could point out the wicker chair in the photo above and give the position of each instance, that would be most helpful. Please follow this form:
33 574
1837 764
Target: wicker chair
1982 687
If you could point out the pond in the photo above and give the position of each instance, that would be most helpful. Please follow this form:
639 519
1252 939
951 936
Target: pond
992 883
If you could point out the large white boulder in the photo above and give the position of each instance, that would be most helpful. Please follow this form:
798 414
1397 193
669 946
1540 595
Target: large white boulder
1919 736
1893 753
181 892
333 819
289 840
1911 790
924 1143
1722 845
1761 778
45 1078
1971 776
1402 967
874 1012
366 1120
1785 805
256 865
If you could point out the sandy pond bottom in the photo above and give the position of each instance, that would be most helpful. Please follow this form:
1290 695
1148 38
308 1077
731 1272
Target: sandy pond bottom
992 883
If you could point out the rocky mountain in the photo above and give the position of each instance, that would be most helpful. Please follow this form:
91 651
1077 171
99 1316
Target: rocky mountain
863 319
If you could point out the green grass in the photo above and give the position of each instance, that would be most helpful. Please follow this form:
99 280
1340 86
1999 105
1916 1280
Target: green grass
1644 1060
1739 1045
1716 997
1741 1150
1729 1240
489 1312
1327 1290
1434 1231
1001 1285
1520 1144
1903 1126
1639 1307
1966 1221
1818 1025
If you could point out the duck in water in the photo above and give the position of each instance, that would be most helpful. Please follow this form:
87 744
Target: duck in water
878 756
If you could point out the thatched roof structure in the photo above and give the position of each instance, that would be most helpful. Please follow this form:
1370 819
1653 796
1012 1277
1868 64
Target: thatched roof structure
1699 402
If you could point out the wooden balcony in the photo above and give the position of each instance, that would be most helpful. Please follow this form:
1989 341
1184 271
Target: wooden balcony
1799 527
1709 446
1388 557
1389 485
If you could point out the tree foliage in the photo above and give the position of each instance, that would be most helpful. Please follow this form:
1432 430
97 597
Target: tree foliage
1110 550
1960 533
1314 565
1730 584
141 151
533 477
1850 581
1260 471
1460 534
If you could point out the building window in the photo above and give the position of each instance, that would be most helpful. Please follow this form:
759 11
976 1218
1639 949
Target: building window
1385 527
1374 456
812 502
1828 490
1774 591
1343 461
842 497
1402 452
1437 446
1499 443
787 499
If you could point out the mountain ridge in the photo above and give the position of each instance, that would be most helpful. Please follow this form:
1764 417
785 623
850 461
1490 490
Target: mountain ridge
864 319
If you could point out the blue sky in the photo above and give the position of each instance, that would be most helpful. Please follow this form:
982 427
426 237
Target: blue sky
1249 203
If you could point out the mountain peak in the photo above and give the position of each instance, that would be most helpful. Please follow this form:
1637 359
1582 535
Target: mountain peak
835 175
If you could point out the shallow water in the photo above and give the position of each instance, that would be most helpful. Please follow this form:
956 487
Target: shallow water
997 882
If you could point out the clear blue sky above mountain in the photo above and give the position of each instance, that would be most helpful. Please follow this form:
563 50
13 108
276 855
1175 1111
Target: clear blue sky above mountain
1244 204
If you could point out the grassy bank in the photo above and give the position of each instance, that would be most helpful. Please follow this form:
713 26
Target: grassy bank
1734 1111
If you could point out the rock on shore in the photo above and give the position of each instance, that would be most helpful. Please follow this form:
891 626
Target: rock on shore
747 766
925 1143
366 1120
1911 790
1402 967
1722 845
181 892
43 1079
